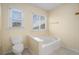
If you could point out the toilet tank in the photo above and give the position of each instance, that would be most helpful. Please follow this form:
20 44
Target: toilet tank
16 39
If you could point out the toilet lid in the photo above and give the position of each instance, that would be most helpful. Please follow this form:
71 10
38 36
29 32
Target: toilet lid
16 40
18 47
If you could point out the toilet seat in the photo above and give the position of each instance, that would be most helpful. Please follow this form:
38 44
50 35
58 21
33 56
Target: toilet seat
17 49
18 46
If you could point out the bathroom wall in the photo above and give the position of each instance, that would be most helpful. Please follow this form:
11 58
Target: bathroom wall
0 28
7 32
64 23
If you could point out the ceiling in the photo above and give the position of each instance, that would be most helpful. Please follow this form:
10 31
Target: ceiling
47 6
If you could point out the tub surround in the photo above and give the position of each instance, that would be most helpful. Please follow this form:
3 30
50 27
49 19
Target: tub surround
43 45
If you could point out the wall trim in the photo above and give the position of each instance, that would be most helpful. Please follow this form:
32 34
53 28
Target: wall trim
75 50
4 53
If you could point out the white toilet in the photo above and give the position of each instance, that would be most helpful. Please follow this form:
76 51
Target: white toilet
17 47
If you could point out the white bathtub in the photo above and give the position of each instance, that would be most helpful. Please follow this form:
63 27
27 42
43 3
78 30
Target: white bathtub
45 45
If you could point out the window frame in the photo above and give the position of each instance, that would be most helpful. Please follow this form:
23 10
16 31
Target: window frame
45 22
11 19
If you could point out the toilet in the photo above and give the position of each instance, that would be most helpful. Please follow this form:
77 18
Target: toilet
17 45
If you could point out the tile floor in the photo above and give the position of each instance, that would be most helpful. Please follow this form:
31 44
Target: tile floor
64 51
60 51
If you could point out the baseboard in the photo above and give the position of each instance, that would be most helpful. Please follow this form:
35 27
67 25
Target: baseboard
0 53
4 53
9 51
75 50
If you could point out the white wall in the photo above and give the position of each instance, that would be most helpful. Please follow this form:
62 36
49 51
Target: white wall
28 11
0 27
64 23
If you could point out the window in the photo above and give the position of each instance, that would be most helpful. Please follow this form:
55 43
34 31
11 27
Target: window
42 23
39 23
16 19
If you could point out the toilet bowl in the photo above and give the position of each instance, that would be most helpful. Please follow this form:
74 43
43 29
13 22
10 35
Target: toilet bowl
17 46
18 49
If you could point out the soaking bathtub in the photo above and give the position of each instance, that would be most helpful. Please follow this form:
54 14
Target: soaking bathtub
43 45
